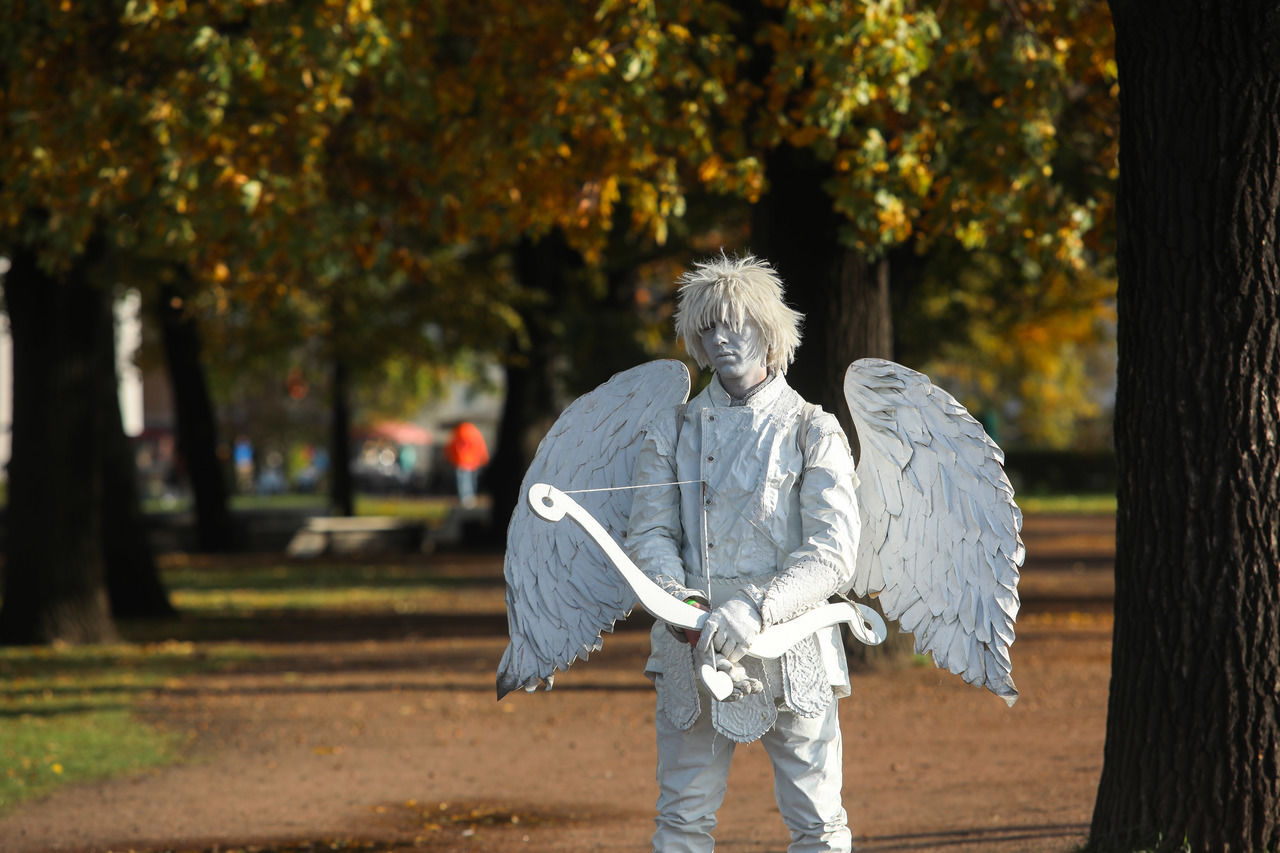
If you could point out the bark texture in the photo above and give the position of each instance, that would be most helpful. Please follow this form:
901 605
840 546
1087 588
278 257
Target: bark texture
55 587
1193 726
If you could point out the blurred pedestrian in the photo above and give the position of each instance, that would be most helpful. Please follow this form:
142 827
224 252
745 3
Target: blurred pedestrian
243 456
467 453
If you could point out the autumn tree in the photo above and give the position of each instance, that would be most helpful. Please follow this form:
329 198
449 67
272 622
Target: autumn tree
162 136
1193 724
70 524
521 168
1035 364
79 159
952 151
856 131
863 128
853 129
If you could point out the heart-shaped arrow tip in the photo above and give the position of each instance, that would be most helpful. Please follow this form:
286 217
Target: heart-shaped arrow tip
717 681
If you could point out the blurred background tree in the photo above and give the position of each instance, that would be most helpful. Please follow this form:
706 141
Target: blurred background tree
163 147
858 137
369 196
886 148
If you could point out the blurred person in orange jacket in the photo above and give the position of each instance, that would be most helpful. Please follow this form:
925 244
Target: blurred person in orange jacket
467 452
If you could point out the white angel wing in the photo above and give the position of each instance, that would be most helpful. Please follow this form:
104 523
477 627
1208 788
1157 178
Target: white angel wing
562 592
941 539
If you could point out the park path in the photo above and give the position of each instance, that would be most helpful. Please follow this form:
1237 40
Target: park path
397 743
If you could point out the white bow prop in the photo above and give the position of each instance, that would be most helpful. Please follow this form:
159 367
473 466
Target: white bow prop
551 504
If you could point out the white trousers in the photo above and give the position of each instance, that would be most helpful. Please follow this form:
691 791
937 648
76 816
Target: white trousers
693 767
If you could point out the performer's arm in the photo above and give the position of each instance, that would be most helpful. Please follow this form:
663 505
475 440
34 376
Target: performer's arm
825 562
654 531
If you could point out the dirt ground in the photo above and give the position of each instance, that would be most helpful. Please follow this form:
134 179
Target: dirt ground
390 739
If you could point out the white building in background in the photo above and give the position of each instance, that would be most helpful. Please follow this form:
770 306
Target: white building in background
128 312
128 342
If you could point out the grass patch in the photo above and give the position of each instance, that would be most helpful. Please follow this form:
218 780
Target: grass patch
1068 504
432 510
244 590
44 749
68 713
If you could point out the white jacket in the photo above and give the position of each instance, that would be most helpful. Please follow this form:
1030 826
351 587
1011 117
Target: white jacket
771 510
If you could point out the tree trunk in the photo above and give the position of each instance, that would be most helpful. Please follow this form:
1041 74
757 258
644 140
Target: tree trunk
134 587
511 456
196 425
533 397
342 498
1193 723
844 297
845 300
55 587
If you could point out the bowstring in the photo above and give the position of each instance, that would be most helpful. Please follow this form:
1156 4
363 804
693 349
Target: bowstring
638 486
706 487
767 534
706 563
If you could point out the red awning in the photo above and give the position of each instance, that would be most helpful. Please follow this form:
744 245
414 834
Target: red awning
401 432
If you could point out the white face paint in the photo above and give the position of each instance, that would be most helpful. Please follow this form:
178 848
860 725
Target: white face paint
738 354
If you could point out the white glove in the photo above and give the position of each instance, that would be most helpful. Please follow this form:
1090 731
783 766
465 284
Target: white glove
727 681
730 628
743 684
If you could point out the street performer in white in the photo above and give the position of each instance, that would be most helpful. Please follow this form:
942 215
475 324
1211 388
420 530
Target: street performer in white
762 527
740 514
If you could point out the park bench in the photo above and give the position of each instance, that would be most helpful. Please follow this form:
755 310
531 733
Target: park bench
356 535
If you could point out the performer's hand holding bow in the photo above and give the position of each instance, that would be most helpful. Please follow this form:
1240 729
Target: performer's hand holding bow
731 627
728 631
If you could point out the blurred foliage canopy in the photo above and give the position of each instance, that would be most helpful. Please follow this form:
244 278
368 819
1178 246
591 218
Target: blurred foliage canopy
350 172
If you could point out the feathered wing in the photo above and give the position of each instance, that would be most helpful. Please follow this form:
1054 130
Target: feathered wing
941 539
562 592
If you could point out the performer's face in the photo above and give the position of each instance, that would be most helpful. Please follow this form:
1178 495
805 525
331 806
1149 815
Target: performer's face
738 354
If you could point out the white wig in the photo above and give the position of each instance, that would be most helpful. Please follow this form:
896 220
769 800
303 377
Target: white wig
730 290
